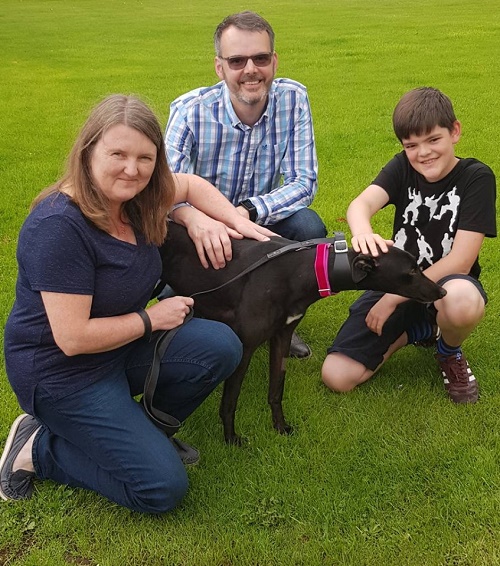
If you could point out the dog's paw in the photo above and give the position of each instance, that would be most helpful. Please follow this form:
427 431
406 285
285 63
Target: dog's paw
236 440
284 428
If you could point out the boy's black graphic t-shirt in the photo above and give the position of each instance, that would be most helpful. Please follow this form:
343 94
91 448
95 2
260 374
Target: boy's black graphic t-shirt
428 215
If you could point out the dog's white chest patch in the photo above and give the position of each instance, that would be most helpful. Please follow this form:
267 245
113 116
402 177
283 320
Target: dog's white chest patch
291 319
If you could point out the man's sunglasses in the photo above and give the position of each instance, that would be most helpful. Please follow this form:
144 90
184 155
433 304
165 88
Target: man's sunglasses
240 62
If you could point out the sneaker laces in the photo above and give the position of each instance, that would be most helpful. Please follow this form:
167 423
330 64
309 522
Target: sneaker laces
456 367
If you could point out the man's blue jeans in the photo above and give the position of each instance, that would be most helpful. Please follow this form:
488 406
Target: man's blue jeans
100 438
305 224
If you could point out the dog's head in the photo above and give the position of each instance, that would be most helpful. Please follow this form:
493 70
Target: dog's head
395 272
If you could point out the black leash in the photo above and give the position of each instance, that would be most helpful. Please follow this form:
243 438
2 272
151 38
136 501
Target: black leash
169 424
339 245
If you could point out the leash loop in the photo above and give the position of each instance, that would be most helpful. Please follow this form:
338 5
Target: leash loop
165 422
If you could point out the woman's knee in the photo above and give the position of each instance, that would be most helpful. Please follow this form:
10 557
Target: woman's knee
212 345
162 493
230 349
220 355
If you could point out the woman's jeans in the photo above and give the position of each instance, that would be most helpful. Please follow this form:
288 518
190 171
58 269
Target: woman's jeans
101 439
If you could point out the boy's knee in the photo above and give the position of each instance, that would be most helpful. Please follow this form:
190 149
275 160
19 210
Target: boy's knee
337 375
463 305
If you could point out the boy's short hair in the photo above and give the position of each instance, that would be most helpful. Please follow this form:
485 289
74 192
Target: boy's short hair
420 110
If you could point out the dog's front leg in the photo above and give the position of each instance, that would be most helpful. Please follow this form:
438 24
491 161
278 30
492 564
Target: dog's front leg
230 394
279 346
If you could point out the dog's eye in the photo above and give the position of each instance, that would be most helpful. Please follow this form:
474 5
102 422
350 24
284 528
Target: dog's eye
414 271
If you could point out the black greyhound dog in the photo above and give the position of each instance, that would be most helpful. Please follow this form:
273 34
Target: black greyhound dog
266 288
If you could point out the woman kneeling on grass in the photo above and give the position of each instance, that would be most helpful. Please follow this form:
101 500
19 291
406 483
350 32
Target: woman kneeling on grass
77 345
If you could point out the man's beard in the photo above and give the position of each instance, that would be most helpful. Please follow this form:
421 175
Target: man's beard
252 100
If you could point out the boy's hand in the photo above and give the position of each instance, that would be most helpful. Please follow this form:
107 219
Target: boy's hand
370 243
381 311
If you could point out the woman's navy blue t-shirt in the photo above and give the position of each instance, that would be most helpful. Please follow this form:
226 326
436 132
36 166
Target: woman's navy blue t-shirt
60 251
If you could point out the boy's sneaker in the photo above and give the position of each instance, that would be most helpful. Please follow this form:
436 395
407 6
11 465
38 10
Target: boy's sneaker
459 381
18 484
431 341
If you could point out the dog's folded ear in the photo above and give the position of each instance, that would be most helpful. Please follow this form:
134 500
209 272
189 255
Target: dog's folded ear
362 265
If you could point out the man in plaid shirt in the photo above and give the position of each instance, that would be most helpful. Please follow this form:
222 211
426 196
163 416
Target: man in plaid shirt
251 136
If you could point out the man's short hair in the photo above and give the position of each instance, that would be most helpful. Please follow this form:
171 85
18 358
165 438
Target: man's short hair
247 21
420 110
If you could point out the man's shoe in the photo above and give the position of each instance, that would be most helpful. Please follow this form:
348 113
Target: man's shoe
189 455
298 348
18 484
459 381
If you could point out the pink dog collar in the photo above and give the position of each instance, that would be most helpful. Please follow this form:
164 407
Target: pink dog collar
321 270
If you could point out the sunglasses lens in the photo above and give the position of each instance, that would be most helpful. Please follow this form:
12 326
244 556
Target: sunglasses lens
262 60
237 63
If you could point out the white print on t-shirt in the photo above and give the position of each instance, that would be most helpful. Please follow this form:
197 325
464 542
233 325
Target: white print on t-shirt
424 249
415 199
400 239
454 201
421 211
432 203
446 244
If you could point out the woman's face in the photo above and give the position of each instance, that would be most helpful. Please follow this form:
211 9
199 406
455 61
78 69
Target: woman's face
122 163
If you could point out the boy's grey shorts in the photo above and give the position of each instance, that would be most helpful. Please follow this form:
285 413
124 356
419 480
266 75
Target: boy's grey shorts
359 343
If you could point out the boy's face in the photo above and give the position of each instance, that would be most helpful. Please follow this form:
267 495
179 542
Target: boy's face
433 154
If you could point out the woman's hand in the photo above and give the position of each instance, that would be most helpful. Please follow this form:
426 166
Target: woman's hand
243 227
213 238
169 313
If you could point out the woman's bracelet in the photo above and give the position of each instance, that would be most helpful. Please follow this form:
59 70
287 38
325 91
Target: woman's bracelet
148 328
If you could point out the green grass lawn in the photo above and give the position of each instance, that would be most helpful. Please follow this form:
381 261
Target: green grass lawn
391 474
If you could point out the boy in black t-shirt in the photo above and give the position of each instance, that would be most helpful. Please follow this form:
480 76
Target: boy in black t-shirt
444 208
